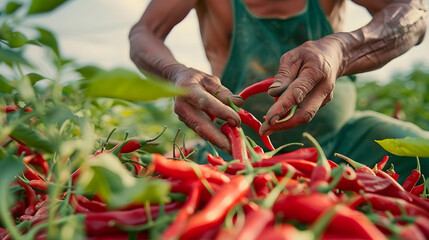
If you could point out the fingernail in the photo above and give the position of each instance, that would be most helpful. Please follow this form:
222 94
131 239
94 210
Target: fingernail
275 85
233 122
274 119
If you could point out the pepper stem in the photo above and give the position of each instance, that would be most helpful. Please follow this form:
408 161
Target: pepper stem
232 105
352 162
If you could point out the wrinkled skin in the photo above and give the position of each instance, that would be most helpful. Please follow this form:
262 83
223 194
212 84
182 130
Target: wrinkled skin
307 74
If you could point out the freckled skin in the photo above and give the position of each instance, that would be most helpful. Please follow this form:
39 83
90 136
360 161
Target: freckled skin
396 26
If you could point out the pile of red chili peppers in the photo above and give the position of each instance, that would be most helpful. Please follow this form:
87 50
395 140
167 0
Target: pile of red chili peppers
259 195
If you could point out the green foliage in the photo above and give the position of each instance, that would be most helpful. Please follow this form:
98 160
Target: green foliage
405 91
409 147
74 109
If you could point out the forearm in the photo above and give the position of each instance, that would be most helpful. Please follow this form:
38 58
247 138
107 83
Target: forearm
392 31
149 52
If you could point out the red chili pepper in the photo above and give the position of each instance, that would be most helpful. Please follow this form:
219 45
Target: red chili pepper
212 215
359 167
259 87
31 199
255 223
91 205
413 178
353 224
423 224
238 145
38 161
391 172
176 228
186 170
18 209
260 151
215 160
417 190
251 121
39 185
130 146
305 208
31 174
309 154
382 163
304 167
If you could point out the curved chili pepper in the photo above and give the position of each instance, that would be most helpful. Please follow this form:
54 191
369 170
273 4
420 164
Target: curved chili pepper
251 121
359 167
304 167
255 223
30 174
215 160
31 199
259 87
216 209
302 207
417 190
190 206
413 178
353 224
238 145
186 170
91 205
39 185
382 163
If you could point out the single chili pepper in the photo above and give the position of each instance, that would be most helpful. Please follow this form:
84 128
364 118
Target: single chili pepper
260 151
413 178
100 223
305 208
251 121
234 167
359 167
214 212
31 174
186 170
417 190
382 163
38 161
31 199
353 224
255 223
215 160
176 228
391 172
238 145
91 205
259 87
39 185
260 183
78 208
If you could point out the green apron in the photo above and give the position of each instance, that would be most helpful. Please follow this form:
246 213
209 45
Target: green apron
256 48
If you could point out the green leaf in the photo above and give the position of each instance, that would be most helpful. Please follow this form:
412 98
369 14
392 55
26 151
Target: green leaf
12 6
107 177
9 57
409 147
17 39
34 77
43 6
127 85
89 71
48 39
5 86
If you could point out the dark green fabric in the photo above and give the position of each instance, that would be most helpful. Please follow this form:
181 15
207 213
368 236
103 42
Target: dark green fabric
256 48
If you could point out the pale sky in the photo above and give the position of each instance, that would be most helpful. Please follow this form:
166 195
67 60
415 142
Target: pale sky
96 32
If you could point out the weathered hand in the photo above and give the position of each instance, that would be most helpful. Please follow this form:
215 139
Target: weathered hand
206 96
306 78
